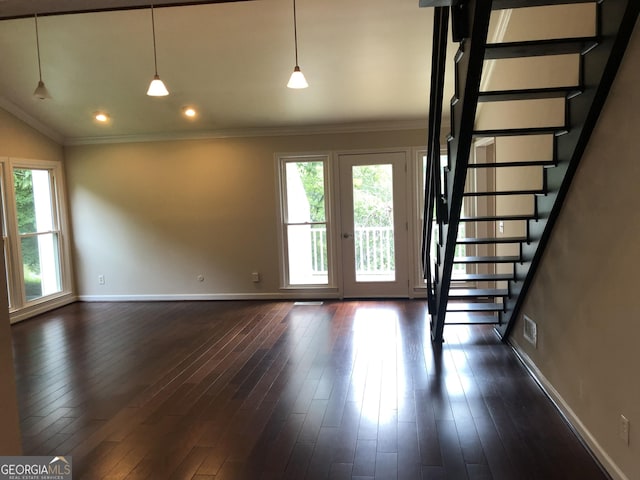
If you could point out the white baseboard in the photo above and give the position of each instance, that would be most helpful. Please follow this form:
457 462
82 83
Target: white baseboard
587 437
209 296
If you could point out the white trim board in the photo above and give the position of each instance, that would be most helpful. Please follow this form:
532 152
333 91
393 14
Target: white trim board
208 297
40 308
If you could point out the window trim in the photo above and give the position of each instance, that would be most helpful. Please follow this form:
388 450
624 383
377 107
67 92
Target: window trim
281 160
20 308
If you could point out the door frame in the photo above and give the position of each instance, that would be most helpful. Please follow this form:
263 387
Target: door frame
405 197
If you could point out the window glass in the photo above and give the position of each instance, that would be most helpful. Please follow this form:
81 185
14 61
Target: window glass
305 222
39 238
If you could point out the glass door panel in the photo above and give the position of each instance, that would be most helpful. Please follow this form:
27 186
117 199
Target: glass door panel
374 224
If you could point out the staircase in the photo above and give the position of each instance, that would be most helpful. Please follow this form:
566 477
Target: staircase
515 143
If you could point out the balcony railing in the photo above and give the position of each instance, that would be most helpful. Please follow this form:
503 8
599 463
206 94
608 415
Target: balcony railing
374 250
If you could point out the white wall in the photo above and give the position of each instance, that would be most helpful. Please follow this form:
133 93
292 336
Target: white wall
151 217
16 140
584 297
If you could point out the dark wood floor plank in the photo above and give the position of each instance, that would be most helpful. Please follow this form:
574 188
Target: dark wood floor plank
386 466
345 446
323 454
268 390
364 463
340 471
409 464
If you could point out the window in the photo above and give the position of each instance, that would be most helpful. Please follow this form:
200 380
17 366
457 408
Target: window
305 221
35 245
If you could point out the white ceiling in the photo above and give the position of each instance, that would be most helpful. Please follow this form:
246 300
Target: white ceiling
367 63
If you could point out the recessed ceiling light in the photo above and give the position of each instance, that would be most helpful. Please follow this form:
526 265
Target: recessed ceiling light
189 112
101 117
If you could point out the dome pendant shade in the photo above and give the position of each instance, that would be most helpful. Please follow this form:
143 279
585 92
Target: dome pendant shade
297 79
41 91
157 88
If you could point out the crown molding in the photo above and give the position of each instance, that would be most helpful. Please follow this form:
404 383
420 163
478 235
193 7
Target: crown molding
20 114
253 132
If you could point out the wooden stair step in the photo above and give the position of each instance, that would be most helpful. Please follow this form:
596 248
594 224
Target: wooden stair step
478 292
466 318
536 48
477 241
474 307
532 163
529 94
505 4
482 277
536 191
498 218
488 259
513 132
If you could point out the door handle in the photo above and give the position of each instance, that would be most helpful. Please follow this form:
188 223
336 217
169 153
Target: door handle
347 235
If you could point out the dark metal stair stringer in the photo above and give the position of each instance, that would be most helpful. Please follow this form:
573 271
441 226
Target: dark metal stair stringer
471 22
599 64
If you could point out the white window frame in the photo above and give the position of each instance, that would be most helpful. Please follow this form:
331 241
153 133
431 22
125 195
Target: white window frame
20 308
330 288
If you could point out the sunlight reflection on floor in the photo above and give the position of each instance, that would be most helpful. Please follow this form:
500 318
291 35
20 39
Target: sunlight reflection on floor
378 365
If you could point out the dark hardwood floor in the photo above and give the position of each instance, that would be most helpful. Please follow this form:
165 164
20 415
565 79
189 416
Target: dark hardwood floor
269 390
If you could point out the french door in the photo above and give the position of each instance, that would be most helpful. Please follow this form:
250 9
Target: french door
374 224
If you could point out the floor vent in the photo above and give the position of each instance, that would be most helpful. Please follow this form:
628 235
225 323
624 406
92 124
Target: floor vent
314 303
530 331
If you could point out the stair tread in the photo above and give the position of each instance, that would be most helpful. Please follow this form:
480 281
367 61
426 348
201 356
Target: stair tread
474 307
511 132
488 259
532 163
481 277
556 46
491 240
465 318
496 218
536 191
505 4
528 94
478 292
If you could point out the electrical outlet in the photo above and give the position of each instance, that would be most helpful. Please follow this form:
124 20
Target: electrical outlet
501 226
101 279
624 429
200 278
255 277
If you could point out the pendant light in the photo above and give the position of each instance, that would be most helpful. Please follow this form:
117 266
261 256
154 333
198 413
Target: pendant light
297 79
41 91
156 87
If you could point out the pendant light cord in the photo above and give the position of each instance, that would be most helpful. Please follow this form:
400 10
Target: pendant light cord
38 47
153 30
295 31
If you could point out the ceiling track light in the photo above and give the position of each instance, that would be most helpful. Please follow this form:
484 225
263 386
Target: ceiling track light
41 91
297 79
156 87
